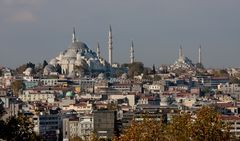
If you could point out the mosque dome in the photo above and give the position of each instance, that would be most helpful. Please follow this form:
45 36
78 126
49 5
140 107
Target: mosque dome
124 76
78 45
53 61
69 94
101 76
28 71
48 69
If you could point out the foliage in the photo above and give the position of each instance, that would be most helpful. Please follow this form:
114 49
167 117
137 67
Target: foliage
179 128
16 86
76 139
147 130
21 69
200 66
18 128
234 80
208 126
2 110
205 125
1 72
45 63
58 69
153 69
220 73
135 68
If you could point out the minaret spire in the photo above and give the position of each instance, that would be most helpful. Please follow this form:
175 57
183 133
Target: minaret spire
74 35
110 45
200 55
132 53
98 50
180 52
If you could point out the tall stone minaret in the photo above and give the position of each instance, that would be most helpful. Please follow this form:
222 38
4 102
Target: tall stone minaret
132 53
180 53
98 50
110 45
74 35
200 55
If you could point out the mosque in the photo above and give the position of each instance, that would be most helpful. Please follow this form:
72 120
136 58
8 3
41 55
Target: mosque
78 55
184 62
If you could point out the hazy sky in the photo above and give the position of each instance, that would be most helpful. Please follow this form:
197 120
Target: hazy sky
34 30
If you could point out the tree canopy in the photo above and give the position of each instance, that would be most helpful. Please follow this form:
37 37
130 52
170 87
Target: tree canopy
205 125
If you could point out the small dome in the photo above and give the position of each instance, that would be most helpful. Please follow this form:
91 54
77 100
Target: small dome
69 94
53 61
124 76
48 69
101 76
28 71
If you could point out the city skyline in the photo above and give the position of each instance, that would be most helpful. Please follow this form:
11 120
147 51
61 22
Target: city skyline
38 30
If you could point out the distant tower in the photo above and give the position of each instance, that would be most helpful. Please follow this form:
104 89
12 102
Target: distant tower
110 45
180 53
74 35
132 53
98 50
200 55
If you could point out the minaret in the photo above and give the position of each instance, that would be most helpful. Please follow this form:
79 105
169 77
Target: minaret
98 50
110 45
132 53
200 55
74 36
180 53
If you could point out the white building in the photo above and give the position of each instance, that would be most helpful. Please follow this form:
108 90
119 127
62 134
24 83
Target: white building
229 88
77 55
77 127
35 95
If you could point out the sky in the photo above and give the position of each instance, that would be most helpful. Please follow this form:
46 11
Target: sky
37 30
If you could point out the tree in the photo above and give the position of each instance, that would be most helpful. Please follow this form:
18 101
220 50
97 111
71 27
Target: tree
18 129
45 63
1 72
16 86
21 69
135 68
58 69
207 126
179 129
153 69
30 65
147 130
204 126
2 109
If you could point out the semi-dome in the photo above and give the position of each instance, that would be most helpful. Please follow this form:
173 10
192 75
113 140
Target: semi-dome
78 54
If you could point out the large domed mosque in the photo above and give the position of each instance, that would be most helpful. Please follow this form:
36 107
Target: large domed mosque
78 55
